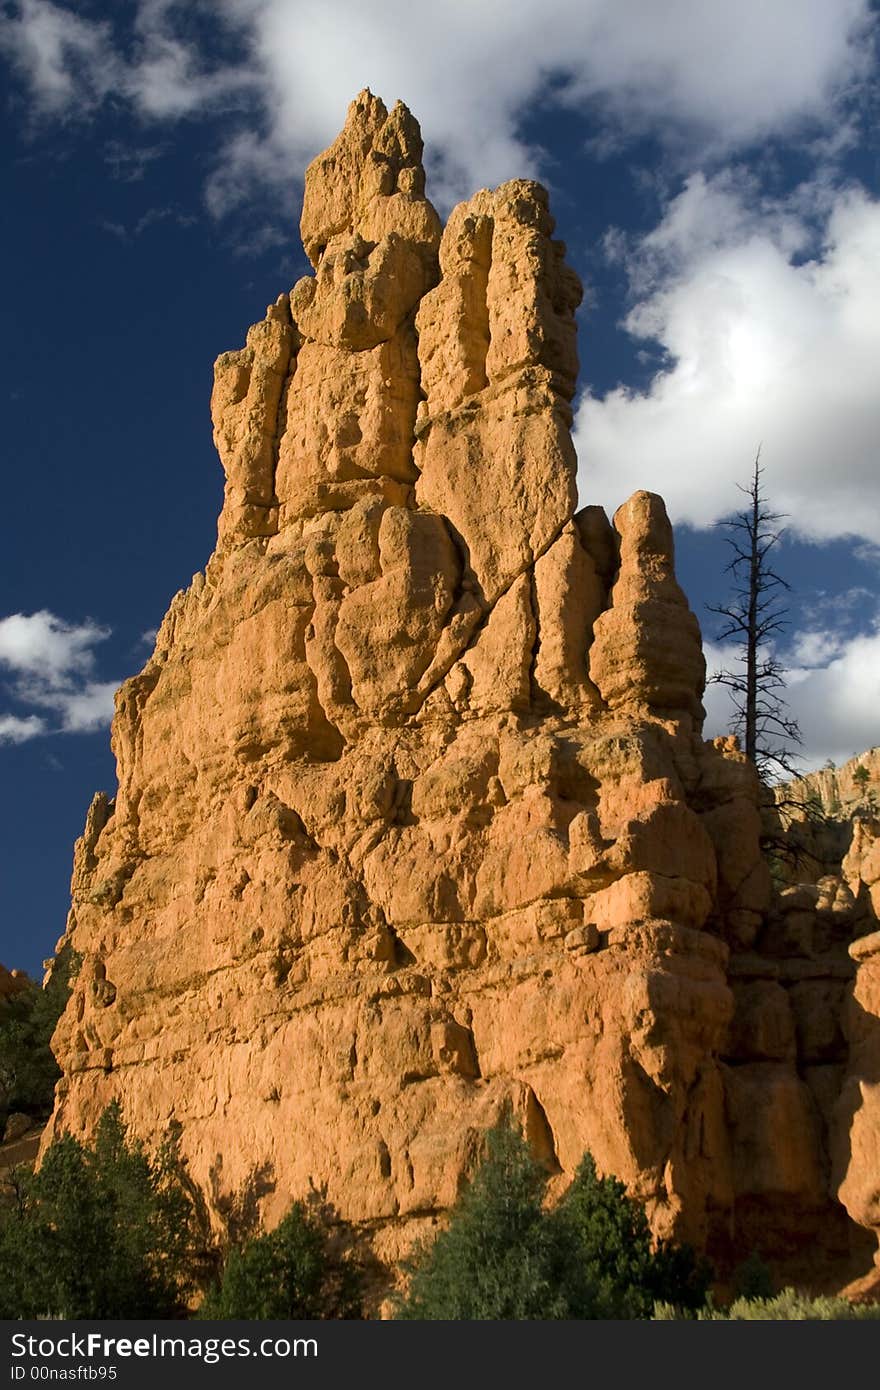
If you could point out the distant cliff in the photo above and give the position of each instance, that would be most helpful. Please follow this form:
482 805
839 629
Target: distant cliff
840 791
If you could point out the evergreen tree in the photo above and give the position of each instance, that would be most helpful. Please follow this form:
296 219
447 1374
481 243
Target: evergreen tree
505 1256
290 1272
28 1070
867 795
101 1230
496 1258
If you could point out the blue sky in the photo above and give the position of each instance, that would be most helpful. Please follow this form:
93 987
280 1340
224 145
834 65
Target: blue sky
713 170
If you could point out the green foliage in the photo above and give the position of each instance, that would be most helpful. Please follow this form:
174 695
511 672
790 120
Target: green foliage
503 1256
788 1306
607 1248
609 1268
497 1257
752 1279
861 777
291 1272
791 1306
680 1277
99 1231
28 1070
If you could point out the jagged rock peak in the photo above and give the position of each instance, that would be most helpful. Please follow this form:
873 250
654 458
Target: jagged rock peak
369 182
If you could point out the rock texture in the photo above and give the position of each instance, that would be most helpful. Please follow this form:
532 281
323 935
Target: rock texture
12 982
839 791
819 816
414 815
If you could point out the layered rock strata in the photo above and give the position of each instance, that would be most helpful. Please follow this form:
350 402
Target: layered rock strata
414 816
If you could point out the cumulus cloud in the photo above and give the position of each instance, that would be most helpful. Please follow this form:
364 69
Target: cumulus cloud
44 646
766 316
713 77
50 665
833 691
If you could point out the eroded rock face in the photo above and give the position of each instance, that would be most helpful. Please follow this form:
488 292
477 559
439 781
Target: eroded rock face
414 817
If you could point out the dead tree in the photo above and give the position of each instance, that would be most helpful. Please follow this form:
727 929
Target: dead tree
755 615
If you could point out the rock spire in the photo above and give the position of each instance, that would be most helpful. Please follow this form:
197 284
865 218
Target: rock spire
414 817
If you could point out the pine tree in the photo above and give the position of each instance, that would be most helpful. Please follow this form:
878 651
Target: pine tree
293 1271
505 1255
101 1230
495 1260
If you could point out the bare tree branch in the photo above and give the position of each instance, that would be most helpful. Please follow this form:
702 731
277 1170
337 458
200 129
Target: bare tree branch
752 616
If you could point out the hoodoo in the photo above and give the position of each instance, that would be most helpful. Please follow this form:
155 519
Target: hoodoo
414 815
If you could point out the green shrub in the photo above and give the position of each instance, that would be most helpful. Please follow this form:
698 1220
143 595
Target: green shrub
752 1279
99 1231
788 1306
791 1306
504 1256
290 1272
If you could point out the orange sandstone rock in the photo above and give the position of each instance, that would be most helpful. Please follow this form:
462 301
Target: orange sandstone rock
414 816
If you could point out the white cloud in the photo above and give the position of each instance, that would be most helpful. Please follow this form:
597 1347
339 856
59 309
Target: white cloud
46 647
736 73
16 730
68 61
837 702
762 347
713 76
816 648
167 77
249 161
868 554
150 218
72 64
51 665
82 711
834 694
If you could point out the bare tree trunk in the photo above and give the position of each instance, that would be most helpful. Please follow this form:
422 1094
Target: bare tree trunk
751 726
754 616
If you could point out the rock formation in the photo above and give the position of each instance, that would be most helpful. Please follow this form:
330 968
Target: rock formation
839 791
12 982
414 815
818 817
